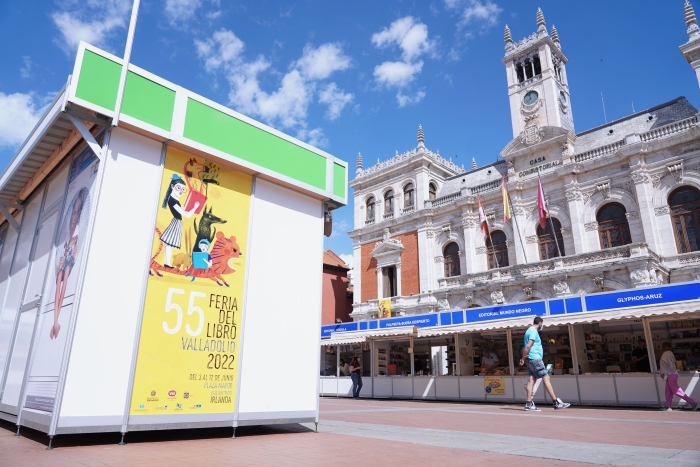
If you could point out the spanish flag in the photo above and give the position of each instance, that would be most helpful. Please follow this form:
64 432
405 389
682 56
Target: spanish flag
507 214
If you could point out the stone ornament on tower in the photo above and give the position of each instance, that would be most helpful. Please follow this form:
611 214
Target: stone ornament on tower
421 137
541 25
690 21
555 37
359 164
473 163
507 37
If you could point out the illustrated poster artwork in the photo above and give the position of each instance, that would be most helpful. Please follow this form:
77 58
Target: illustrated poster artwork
62 280
188 349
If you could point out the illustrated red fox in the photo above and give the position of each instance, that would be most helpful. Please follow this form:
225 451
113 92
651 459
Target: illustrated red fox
223 252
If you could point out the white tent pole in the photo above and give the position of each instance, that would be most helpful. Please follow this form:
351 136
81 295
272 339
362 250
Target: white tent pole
127 58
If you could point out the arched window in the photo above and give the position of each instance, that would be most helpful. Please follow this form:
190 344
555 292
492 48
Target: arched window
545 240
538 66
528 69
519 72
432 191
451 255
389 204
408 196
370 210
498 250
685 215
613 228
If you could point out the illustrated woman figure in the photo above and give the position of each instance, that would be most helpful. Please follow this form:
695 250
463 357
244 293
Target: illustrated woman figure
67 260
172 236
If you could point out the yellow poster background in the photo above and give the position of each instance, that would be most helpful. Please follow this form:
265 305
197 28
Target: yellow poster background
494 386
384 308
188 348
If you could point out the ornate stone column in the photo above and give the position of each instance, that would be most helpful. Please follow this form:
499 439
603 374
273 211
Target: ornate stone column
645 200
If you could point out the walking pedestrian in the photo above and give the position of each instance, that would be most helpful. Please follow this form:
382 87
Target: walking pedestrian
669 372
356 376
532 356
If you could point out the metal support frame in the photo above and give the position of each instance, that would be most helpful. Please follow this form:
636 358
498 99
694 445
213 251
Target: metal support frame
87 136
127 58
11 220
102 121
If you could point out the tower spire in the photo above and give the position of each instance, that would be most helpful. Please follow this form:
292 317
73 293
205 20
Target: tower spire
690 21
555 36
541 25
473 163
507 37
359 163
421 137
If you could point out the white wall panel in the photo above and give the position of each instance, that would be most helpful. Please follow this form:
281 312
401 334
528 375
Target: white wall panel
102 350
280 333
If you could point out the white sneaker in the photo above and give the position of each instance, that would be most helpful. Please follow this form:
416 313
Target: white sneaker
558 404
696 406
530 406
666 409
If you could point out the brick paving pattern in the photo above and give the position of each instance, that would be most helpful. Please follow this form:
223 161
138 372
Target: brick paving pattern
391 433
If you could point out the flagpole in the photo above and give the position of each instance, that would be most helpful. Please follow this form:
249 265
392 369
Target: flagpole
551 224
482 214
517 227
127 59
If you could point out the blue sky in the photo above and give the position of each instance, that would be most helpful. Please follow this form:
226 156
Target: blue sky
354 76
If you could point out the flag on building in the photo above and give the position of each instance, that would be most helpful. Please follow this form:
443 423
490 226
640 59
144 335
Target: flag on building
483 224
507 214
541 204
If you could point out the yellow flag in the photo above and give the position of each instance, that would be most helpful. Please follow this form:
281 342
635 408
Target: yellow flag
506 201
384 308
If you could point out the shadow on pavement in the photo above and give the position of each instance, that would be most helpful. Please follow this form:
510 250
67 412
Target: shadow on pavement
155 436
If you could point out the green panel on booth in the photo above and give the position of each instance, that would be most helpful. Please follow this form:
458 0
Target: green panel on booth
99 80
148 101
213 128
338 180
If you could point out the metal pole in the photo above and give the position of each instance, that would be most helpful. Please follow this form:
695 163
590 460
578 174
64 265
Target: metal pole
515 221
551 224
127 58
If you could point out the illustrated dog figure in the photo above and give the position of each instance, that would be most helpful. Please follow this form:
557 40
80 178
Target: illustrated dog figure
204 230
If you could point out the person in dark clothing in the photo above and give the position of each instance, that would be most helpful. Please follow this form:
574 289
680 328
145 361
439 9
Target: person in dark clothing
640 356
356 376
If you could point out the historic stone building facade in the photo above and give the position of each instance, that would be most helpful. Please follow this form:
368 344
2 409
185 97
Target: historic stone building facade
623 198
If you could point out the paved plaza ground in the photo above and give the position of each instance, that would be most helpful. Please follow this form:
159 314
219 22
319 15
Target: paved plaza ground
386 433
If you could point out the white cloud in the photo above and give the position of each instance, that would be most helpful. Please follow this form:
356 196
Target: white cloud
178 11
397 74
26 70
90 21
18 115
348 258
336 100
321 62
409 35
405 100
482 13
314 137
340 228
288 105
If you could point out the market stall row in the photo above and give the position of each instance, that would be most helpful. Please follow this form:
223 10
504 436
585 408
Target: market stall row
608 356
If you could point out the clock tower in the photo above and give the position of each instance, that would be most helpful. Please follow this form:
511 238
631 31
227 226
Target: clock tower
537 86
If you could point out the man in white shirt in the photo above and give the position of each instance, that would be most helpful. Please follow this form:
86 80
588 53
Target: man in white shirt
489 359
667 367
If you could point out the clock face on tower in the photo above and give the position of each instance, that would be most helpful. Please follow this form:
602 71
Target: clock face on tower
530 98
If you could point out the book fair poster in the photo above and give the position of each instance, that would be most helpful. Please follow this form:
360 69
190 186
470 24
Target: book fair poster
188 349
494 386
384 308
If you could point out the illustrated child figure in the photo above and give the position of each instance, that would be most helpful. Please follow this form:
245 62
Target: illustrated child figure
202 256
172 236
67 261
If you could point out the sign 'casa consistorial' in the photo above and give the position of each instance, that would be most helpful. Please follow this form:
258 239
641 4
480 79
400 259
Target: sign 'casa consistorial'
538 168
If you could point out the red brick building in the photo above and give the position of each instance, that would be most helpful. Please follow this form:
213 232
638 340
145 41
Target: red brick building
337 292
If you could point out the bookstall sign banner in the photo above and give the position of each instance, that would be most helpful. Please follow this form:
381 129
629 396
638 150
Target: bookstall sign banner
345 327
419 321
642 297
494 386
506 311
188 349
